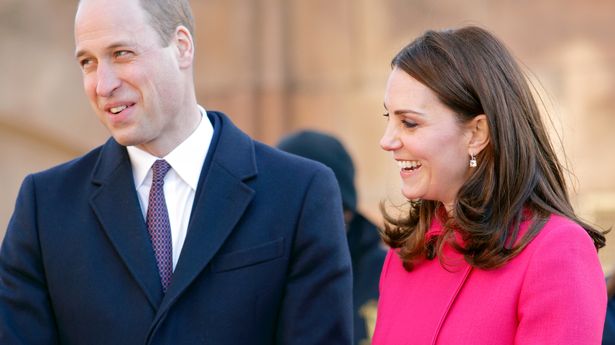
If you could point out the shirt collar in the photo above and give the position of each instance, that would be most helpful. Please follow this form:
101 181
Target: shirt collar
186 159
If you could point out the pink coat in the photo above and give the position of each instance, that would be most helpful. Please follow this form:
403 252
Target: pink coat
552 293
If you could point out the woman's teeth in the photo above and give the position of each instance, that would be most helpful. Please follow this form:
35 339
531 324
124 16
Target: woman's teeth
408 165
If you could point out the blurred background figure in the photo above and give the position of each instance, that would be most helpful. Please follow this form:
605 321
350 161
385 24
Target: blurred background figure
608 336
366 249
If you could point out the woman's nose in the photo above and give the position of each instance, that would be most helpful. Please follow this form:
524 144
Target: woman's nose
390 140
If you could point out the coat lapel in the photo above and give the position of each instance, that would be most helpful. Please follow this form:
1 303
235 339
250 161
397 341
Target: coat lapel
220 201
450 281
116 205
449 293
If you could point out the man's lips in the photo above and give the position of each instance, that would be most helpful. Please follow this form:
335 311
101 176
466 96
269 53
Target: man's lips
117 108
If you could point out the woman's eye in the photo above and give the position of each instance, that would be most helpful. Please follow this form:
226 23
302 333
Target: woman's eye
386 115
408 124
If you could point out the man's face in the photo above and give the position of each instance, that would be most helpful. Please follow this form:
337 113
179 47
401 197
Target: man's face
134 84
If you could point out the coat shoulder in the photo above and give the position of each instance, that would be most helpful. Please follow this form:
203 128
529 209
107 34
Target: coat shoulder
70 173
270 159
271 153
559 233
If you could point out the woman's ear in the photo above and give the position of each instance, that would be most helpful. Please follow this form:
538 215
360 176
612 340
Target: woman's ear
478 130
185 47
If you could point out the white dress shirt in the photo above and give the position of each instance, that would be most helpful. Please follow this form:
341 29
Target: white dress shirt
180 182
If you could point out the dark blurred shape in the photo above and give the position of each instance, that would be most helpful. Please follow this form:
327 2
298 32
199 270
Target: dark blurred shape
608 336
366 250
329 151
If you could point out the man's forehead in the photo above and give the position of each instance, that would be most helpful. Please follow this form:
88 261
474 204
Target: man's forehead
95 20
106 31
116 11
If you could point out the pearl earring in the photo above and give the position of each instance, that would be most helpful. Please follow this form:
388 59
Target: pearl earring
473 163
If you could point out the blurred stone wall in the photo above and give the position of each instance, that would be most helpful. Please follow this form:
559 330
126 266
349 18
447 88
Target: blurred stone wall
279 65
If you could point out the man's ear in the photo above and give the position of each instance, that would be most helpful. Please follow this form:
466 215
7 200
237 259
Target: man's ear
184 47
478 129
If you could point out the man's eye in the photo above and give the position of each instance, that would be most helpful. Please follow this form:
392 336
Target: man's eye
85 62
121 53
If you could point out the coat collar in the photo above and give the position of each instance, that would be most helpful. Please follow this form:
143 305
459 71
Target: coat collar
222 190
452 274
116 205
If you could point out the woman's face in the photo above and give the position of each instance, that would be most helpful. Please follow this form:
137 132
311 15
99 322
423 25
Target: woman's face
429 144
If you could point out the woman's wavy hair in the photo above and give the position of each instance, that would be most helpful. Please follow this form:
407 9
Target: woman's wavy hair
518 176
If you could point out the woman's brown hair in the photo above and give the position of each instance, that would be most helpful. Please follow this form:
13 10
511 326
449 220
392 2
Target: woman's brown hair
518 176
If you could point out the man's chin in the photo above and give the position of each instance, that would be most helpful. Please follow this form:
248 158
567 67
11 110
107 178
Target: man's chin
124 139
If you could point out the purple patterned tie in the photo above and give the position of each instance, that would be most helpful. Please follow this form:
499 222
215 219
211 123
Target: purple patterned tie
158 223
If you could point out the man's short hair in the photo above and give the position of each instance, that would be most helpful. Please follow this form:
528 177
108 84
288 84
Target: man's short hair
166 15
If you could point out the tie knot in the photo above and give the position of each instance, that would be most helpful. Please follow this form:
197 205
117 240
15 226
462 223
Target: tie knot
159 169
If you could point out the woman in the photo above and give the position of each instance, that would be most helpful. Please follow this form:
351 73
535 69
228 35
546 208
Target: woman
491 251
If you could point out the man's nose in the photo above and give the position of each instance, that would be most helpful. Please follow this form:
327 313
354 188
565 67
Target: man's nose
108 80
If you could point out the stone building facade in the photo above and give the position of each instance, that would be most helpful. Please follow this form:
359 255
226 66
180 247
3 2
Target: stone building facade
276 66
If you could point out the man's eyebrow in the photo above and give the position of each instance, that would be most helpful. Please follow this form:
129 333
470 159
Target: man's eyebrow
113 46
79 53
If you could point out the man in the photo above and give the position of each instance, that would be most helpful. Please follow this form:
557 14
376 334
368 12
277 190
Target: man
180 229
366 249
